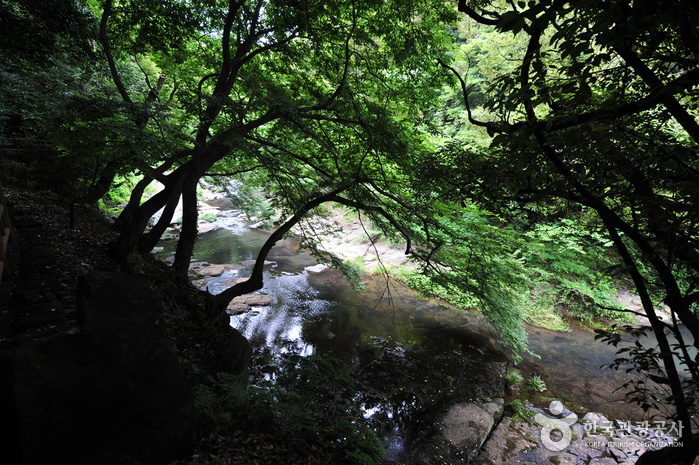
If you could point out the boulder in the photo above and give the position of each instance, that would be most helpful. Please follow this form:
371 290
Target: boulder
233 281
252 262
467 425
109 391
505 443
237 309
603 461
316 268
257 300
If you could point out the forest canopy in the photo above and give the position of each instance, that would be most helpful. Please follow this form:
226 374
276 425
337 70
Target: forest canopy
506 144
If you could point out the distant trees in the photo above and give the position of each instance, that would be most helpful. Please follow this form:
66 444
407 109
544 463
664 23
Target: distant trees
600 111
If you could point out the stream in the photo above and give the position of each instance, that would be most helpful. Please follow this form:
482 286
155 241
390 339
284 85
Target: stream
316 311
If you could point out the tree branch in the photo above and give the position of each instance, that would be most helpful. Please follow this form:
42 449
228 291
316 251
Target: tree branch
462 7
218 303
104 40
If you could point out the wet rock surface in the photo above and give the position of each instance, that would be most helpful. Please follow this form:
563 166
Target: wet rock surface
244 303
467 425
207 270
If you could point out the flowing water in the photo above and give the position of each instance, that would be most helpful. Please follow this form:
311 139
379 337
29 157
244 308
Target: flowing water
318 312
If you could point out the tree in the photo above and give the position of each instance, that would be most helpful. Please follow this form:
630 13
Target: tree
323 103
600 111
317 97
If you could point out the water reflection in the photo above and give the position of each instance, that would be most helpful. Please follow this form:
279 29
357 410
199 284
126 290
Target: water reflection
317 312
280 328
398 427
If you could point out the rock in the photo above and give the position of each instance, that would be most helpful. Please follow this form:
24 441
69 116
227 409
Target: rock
316 268
242 303
258 300
619 455
467 426
199 283
237 309
505 443
603 461
210 271
205 209
233 281
110 391
205 227
252 262
196 266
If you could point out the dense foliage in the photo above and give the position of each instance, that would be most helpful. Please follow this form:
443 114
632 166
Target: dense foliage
599 116
532 156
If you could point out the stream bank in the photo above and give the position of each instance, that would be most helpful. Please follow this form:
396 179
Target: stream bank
308 309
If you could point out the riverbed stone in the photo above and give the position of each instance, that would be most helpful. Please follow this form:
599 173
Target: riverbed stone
252 262
467 425
597 420
233 281
603 461
244 303
516 442
211 271
206 209
254 300
206 226
316 268
257 300
237 309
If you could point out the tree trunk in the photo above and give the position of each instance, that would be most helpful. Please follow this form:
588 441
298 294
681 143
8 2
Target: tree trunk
151 238
101 187
658 327
137 193
132 231
188 234
200 161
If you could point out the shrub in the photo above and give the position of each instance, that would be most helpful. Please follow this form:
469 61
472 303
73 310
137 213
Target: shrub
536 384
210 217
